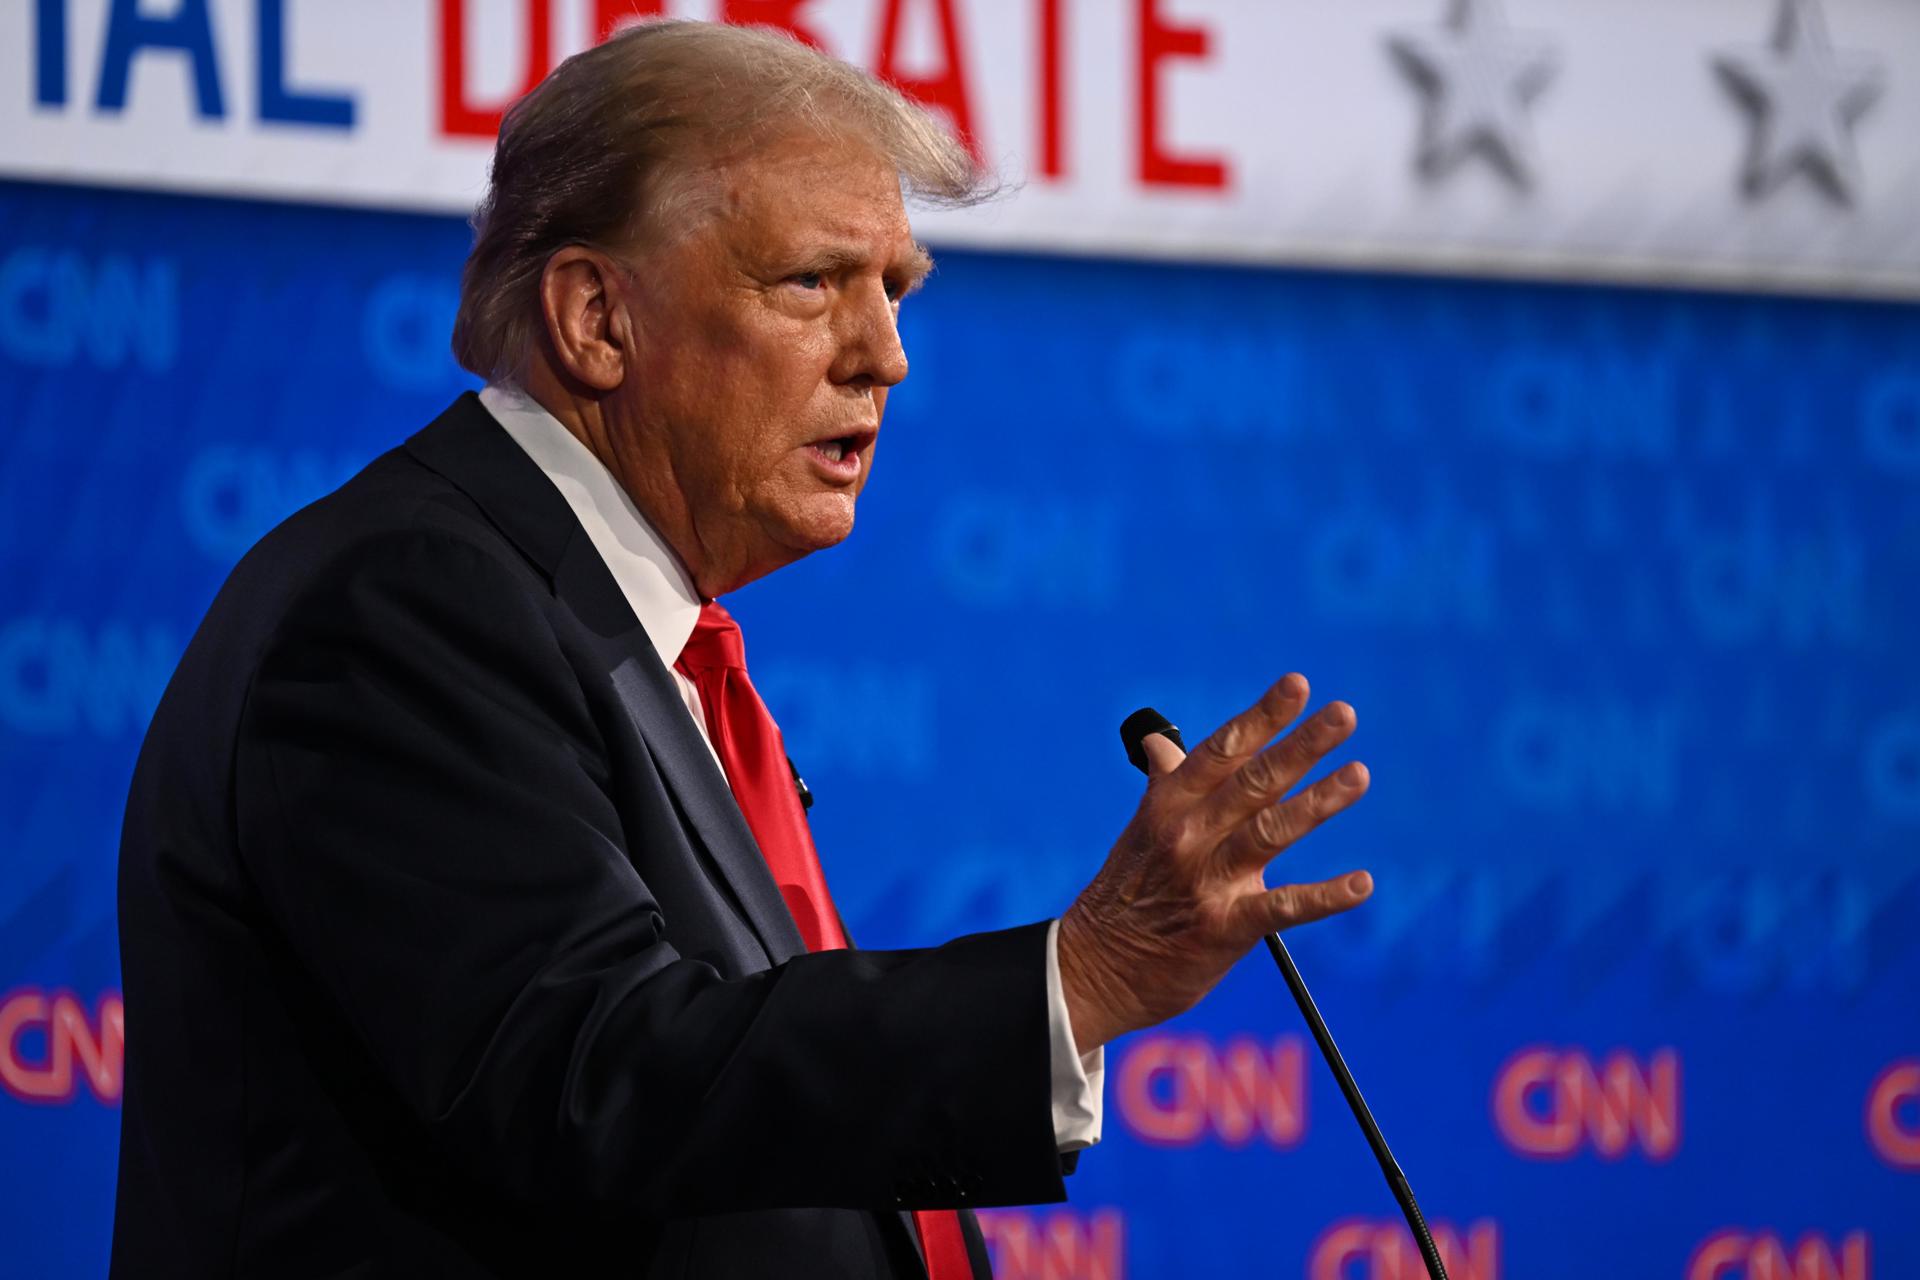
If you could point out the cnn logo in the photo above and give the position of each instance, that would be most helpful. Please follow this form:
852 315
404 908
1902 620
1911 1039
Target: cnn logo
1893 1114
1177 1090
1370 1249
1552 1103
43 1038
1761 1255
1058 1245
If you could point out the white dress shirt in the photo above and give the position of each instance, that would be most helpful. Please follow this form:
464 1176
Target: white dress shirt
663 598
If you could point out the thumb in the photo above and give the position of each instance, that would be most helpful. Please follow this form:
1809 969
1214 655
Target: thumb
1162 756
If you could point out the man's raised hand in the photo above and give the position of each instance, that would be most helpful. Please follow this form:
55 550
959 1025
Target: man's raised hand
1182 896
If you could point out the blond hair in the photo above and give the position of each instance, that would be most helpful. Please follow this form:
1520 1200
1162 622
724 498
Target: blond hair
604 150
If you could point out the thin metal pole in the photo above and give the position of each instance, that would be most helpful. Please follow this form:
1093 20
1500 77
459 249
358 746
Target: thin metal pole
1396 1180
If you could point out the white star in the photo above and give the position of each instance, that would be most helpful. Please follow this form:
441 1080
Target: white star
1478 76
1804 98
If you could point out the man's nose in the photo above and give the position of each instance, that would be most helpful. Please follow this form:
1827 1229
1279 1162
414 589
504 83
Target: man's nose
870 350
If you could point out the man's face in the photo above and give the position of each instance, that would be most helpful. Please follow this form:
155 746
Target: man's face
765 341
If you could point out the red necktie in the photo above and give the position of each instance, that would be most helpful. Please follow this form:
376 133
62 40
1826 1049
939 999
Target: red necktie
748 743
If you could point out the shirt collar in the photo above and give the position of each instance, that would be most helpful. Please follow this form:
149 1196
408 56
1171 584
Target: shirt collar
649 575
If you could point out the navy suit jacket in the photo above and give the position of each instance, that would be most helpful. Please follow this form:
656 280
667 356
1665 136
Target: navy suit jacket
447 952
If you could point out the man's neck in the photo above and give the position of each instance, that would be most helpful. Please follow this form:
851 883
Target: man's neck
648 482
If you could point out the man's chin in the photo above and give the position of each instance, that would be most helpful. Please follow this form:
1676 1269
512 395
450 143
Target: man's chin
823 521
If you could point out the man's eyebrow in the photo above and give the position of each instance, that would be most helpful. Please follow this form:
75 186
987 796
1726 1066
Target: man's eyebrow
919 266
917 263
831 258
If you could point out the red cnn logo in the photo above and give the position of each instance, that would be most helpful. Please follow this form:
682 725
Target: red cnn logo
1549 1103
1896 1137
1740 1255
1370 1249
59 1023
1175 1090
1061 1245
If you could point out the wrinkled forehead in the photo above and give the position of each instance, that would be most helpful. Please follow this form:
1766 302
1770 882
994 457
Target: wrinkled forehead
808 188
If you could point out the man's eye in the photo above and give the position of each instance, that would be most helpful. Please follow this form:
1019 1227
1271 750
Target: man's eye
808 280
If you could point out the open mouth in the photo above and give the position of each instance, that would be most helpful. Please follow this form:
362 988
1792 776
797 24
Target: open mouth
842 452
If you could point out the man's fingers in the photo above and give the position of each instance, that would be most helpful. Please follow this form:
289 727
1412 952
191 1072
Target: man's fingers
1255 841
1229 746
1275 909
1272 773
1162 755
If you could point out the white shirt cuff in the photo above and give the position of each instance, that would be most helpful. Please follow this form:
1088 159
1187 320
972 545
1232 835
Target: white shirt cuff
1078 1078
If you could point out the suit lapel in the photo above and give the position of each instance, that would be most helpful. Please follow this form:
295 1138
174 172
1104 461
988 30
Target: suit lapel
474 452
648 691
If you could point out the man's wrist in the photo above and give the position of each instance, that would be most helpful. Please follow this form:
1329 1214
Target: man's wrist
1094 996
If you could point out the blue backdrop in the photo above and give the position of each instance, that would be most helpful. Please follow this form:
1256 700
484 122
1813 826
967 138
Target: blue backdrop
1622 584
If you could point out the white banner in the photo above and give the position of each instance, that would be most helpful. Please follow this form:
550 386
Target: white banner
1755 143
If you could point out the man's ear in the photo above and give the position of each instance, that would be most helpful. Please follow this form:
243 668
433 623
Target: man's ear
576 299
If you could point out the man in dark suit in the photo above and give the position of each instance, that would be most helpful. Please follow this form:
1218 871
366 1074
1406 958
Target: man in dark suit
469 925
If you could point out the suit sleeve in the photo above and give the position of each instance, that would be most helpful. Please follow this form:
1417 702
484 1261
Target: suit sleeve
422 807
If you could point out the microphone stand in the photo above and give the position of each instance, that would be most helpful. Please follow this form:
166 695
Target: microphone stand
1396 1180
1136 727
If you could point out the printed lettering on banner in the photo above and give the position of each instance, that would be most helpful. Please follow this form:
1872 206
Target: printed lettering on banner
1056 1244
1734 1254
49 1046
1551 1104
1265 132
1383 1249
1180 1090
1893 1114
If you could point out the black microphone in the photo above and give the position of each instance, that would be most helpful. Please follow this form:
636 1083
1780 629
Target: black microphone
1133 732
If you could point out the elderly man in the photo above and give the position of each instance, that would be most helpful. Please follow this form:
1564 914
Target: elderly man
469 917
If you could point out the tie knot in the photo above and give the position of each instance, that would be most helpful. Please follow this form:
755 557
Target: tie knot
715 641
